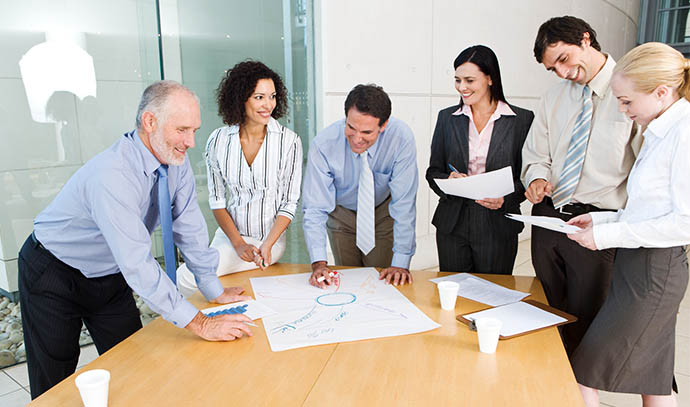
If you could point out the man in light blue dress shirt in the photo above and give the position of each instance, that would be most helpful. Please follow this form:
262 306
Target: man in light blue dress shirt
93 243
332 183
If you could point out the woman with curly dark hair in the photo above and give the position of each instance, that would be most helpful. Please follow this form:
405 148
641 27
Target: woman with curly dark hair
254 172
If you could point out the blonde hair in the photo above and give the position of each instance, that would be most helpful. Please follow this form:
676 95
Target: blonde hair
652 64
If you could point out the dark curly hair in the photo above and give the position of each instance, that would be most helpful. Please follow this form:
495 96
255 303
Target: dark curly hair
237 86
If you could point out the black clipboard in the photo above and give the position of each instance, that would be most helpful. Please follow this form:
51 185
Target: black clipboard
568 318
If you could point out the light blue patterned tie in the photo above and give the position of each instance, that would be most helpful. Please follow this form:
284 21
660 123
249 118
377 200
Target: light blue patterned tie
365 206
575 158
166 222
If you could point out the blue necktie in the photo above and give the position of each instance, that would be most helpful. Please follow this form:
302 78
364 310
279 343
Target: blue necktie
166 222
575 157
365 207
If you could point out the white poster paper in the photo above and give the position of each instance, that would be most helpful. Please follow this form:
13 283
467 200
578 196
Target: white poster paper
356 306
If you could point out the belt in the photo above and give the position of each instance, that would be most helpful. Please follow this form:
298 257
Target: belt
575 209
36 242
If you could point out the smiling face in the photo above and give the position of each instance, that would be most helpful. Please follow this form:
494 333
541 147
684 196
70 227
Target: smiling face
362 130
571 62
260 105
640 107
472 84
174 133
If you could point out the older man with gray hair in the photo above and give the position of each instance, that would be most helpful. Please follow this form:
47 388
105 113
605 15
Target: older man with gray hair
92 245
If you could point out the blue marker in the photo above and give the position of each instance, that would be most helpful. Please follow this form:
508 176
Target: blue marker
452 169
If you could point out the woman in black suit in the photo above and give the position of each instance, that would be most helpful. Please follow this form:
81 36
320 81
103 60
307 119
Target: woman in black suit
483 133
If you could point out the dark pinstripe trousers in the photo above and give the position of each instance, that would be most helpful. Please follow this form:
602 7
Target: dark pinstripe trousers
576 280
55 298
475 245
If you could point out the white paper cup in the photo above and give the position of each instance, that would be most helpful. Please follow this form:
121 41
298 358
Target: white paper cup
448 292
488 330
93 387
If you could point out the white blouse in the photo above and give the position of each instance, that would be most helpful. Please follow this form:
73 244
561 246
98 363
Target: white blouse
657 213
254 195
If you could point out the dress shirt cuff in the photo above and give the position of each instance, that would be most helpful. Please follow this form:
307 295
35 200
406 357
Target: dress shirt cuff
216 203
401 260
602 217
318 254
609 235
183 314
211 289
535 173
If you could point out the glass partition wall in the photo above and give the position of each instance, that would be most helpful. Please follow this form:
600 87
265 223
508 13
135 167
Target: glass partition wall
71 75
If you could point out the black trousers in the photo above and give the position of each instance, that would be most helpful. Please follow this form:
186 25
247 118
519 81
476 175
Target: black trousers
575 280
55 298
474 246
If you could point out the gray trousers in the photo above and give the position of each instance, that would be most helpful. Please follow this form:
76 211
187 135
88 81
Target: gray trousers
342 233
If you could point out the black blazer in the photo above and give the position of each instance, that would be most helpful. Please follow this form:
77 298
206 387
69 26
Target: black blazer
450 144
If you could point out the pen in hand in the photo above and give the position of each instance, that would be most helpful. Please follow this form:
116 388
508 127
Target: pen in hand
453 169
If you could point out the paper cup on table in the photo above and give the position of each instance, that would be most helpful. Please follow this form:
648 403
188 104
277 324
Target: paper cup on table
93 387
448 292
488 330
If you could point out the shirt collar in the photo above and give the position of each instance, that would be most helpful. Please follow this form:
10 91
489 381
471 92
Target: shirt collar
150 161
273 127
600 83
660 126
502 109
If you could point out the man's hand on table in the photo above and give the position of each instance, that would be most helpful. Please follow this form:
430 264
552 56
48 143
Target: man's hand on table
320 275
231 294
396 275
221 327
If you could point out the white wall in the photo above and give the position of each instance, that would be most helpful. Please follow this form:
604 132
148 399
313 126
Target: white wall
408 47
38 158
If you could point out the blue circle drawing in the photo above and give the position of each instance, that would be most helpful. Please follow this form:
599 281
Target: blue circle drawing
335 299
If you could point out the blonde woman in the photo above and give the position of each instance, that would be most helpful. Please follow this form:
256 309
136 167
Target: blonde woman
630 345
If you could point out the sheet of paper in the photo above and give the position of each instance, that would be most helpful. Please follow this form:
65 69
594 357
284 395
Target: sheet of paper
492 184
519 317
480 290
357 306
546 222
252 308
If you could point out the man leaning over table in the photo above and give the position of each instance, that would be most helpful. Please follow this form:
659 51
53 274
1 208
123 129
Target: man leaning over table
576 160
93 243
360 186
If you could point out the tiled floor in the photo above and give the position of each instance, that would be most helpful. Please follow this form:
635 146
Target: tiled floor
14 382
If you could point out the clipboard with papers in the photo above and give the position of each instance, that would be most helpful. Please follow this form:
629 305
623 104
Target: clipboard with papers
521 318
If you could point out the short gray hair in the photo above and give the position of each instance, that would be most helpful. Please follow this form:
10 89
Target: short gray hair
155 98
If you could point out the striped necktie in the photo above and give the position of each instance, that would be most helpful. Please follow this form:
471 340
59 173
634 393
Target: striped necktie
575 158
365 206
166 222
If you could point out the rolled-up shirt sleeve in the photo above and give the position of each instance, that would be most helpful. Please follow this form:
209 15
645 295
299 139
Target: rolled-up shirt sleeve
216 184
291 180
402 208
130 244
318 201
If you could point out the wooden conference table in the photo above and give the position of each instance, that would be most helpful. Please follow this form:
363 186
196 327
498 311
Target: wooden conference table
162 365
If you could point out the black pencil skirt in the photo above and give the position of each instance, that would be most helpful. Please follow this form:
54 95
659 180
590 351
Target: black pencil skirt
630 346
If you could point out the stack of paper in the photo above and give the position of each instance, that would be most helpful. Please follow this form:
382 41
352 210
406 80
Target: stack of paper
480 290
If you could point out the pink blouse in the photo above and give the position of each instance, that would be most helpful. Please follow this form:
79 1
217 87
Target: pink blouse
479 141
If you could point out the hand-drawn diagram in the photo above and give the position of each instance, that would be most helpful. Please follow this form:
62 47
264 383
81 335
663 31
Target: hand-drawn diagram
356 306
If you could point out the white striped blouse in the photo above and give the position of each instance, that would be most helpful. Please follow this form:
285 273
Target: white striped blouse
254 195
